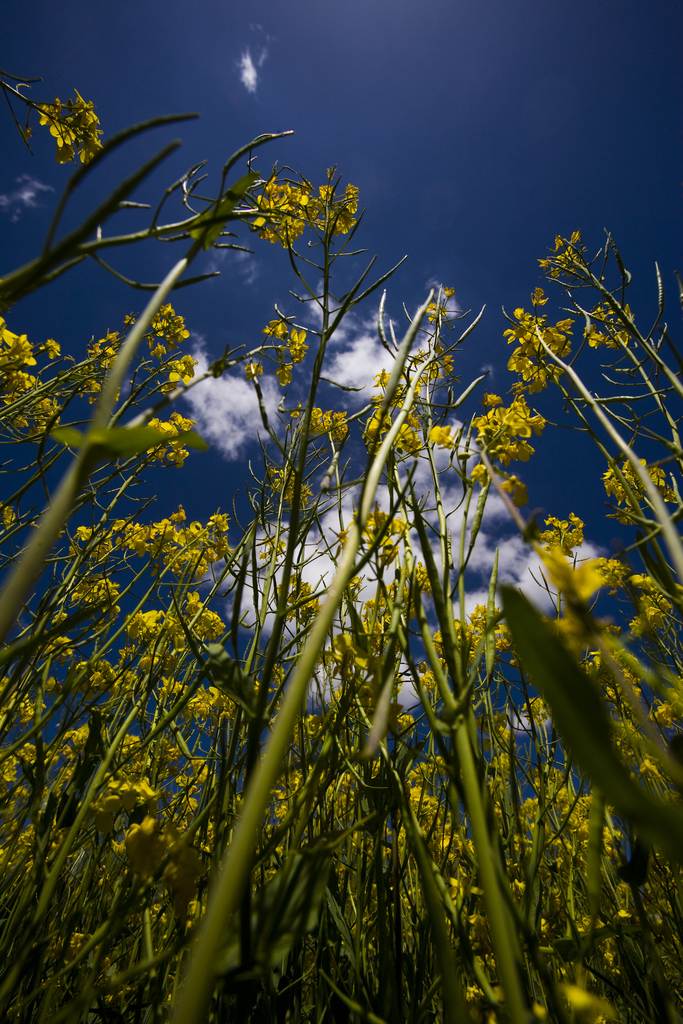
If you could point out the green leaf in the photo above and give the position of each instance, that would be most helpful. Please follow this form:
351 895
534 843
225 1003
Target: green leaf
191 439
581 717
126 441
570 948
342 927
68 436
228 676
287 908
211 222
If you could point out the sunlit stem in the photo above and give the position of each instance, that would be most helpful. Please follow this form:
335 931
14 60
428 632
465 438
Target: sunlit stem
226 895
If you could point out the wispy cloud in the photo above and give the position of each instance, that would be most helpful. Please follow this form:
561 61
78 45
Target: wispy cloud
452 304
249 66
25 197
234 261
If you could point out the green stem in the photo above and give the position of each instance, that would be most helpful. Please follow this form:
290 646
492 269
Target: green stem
493 900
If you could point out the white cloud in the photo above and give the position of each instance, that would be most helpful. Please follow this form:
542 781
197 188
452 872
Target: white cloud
354 354
248 68
248 73
518 564
25 197
356 364
226 410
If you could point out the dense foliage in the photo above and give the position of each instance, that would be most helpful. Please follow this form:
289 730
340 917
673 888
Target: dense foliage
274 766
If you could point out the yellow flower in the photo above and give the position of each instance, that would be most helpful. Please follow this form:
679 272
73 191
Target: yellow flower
16 348
648 767
441 436
576 584
587 1006
297 349
51 347
183 868
284 374
74 945
517 489
276 329
408 441
254 370
8 515
145 846
480 474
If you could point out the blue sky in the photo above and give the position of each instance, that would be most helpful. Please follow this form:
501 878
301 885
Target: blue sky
475 129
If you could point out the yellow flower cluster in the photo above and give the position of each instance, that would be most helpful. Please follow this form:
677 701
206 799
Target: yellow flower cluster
147 842
616 336
616 482
102 354
389 546
167 331
614 572
502 431
654 608
477 628
16 386
253 370
565 255
75 126
576 584
529 359
105 350
408 441
15 349
332 423
97 591
178 546
289 207
514 486
165 634
283 481
121 793
179 370
7 515
279 330
566 534
302 605
437 310
174 453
